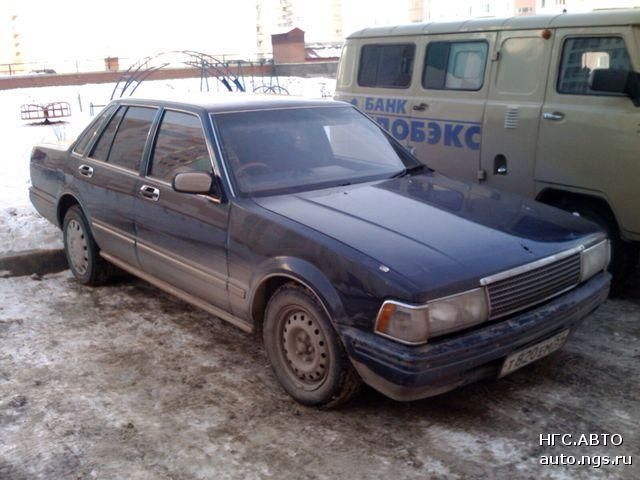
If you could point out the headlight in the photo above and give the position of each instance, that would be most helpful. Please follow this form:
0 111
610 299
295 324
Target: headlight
594 259
415 324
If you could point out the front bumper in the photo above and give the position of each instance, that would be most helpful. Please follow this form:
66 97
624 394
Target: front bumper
409 373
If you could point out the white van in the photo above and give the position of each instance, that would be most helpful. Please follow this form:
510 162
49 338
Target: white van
544 106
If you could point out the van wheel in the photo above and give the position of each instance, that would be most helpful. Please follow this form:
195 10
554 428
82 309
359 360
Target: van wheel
82 253
304 350
623 254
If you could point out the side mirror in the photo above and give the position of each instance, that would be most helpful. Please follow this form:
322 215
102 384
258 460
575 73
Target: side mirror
616 81
193 182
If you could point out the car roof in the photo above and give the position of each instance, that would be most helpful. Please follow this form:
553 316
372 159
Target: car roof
232 102
629 16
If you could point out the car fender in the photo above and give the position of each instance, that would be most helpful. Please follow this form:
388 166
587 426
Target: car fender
306 274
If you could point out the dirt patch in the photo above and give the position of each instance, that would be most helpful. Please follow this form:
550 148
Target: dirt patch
123 381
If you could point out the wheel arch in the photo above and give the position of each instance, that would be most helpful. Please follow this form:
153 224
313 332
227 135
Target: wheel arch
293 271
563 198
65 202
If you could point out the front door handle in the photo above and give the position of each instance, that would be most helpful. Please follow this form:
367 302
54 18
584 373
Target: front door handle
85 170
421 107
149 192
555 116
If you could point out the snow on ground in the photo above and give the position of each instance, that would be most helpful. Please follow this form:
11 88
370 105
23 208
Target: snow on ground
123 381
21 228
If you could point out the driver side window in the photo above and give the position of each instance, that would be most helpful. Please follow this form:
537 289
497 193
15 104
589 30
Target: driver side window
582 55
180 147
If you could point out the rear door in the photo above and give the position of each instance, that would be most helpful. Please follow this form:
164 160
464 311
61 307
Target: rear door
110 175
448 106
512 114
181 237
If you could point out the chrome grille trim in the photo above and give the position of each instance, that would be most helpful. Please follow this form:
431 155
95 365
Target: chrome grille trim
534 283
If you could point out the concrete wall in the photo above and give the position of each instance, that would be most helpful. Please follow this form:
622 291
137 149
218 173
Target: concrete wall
307 69
7 83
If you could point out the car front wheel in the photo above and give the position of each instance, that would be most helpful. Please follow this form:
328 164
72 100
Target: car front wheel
304 350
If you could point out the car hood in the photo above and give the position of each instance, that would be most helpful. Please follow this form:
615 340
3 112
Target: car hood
435 231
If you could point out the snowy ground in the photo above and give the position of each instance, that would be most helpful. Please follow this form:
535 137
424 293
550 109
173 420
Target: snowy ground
124 382
20 227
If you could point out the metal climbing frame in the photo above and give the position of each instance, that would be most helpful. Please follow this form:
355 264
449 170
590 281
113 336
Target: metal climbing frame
209 66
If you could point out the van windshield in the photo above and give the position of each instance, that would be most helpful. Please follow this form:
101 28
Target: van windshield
297 149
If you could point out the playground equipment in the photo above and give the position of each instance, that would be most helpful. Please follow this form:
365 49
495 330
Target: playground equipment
230 74
45 112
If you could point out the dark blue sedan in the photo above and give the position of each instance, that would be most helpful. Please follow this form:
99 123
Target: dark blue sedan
305 222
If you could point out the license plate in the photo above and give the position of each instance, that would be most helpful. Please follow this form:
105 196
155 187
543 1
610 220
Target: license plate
524 357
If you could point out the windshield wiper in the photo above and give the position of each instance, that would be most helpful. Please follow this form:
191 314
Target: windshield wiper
407 171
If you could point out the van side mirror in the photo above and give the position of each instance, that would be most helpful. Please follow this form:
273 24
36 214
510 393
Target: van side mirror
193 182
616 81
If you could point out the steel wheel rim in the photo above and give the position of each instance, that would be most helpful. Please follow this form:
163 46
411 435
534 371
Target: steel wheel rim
77 247
304 348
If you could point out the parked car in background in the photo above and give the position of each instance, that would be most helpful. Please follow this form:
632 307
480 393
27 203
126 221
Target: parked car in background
305 222
542 106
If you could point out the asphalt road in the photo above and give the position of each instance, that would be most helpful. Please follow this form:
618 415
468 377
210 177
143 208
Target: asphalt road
124 382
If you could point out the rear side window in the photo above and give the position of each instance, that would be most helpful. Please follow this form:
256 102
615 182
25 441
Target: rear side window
87 136
582 55
131 137
455 65
180 147
103 145
387 66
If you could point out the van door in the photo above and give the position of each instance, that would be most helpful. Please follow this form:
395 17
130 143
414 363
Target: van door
512 114
589 140
447 112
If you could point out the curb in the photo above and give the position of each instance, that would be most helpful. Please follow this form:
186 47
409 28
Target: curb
39 262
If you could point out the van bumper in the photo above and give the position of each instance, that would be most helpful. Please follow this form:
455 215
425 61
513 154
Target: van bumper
406 373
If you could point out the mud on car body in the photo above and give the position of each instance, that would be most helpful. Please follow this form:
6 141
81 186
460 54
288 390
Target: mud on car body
305 222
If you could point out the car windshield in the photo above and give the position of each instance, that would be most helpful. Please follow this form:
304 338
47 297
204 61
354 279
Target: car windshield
299 149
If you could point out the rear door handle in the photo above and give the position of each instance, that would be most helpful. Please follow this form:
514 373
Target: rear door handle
421 107
152 193
85 170
553 116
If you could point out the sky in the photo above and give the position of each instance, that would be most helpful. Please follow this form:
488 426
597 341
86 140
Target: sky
72 29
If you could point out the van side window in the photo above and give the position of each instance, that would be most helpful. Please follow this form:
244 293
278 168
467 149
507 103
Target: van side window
387 66
582 55
180 147
455 65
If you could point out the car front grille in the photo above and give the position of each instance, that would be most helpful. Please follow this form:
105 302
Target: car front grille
530 286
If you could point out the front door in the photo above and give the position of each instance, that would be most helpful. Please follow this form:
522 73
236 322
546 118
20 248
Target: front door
181 237
589 140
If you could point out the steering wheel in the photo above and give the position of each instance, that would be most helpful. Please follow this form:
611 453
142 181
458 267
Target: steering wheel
251 165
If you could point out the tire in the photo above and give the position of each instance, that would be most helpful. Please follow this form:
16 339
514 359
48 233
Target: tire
623 256
304 350
81 250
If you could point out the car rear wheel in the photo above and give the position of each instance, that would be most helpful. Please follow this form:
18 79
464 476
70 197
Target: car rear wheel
81 250
304 350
